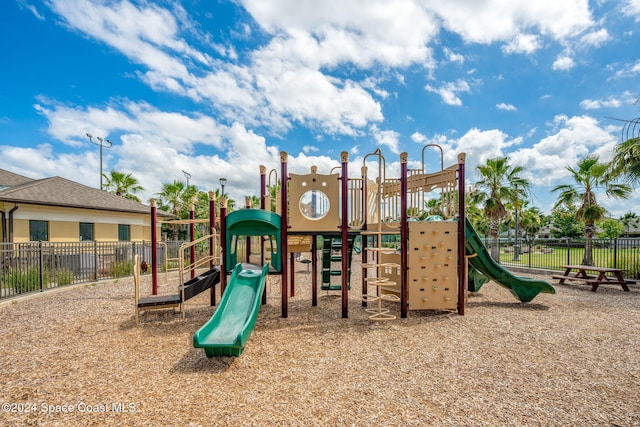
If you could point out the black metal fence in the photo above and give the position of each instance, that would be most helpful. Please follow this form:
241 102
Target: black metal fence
552 254
37 266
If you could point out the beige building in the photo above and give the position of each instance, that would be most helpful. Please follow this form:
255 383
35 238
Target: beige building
59 210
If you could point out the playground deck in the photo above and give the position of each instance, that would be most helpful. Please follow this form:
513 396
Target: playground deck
561 360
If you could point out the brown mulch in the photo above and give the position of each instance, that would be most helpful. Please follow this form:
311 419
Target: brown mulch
570 359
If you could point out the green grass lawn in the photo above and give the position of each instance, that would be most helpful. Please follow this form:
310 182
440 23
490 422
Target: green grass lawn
628 259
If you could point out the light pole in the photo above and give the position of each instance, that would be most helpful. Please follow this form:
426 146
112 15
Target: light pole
516 249
223 182
188 176
102 143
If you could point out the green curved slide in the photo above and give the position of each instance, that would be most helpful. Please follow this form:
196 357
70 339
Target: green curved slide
523 288
230 327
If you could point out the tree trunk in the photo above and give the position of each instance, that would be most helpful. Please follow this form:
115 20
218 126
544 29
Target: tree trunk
589 231
495 246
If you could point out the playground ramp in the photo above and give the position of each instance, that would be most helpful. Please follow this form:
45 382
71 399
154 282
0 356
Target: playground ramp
230 327
523 288
200 283
191 288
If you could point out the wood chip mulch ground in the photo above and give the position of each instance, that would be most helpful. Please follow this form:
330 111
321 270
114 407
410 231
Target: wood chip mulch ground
76 358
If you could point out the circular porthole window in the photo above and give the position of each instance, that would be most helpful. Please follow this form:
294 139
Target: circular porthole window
314 205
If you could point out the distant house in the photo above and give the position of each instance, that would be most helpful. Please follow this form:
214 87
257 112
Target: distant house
59 210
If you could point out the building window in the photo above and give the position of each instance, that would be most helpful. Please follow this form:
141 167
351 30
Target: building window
86 231
38 231
124 232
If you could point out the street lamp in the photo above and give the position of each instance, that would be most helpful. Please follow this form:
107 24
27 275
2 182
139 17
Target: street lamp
516 248
223 182
102 143
188 176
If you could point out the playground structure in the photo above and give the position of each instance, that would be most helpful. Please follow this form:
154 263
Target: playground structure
188 288
339 209
418 260
429 268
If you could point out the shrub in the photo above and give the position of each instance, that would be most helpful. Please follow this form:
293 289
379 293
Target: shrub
64 277
121 269
24 281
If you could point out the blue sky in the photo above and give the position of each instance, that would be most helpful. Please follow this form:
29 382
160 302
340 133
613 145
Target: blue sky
216 88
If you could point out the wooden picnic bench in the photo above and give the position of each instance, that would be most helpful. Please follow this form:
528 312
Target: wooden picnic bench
594 276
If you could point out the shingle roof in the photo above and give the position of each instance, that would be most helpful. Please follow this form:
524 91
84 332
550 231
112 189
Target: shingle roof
10 179
57 191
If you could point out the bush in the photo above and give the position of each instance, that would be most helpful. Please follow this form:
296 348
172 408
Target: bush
64 277
24 281
121 269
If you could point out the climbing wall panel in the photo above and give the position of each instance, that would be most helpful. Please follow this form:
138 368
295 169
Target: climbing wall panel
432 277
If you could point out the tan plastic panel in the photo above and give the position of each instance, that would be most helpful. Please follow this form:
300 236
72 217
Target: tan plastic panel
299 243
432 277
389 268
327 184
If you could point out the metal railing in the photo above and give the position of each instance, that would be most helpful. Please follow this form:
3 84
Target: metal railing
552 254
37 266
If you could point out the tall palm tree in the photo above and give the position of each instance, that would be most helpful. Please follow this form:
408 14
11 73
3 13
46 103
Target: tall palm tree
531 221
122 184
500 183
273 192
254 201
626 161
589 175
172 198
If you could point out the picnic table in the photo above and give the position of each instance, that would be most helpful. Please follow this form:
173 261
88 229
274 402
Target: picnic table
594 276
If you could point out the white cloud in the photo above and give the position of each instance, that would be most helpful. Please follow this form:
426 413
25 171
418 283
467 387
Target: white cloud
506 107
362 32
449 91
523 43
149 141
452 56
503 20
282 82
628 70
310 149
386 138
563 63
478 145
631 8
596 38
317 101
594 104
23 4
180 131
572 139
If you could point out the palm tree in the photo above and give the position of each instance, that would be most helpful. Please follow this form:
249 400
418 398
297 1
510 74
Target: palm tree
273 192
531 221
122 184
173 198
589 176
626 161
254 201
500 183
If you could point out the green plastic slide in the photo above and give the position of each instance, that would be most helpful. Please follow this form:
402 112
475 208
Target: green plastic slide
230 327
523 288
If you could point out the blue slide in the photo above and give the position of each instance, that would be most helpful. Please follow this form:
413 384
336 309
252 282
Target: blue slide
230 327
